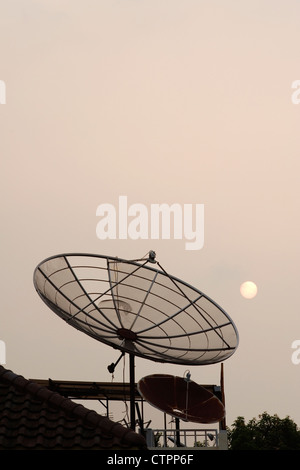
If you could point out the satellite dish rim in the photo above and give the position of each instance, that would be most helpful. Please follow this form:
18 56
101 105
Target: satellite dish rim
150 268
182 414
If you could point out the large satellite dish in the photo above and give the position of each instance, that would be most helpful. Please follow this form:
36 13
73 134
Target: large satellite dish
137 307
181 398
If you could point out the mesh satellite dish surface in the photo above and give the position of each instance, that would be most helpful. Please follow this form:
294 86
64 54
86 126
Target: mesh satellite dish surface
181 398
137 307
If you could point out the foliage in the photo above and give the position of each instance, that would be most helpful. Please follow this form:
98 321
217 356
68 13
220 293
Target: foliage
266 433
199 444
157 437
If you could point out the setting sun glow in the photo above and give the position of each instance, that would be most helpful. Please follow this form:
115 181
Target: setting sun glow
248 289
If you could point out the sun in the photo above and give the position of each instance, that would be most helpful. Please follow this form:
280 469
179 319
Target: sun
248 289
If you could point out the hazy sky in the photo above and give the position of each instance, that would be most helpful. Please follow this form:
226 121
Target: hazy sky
164 101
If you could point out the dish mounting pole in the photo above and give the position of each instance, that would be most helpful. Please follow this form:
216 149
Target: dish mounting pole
132 391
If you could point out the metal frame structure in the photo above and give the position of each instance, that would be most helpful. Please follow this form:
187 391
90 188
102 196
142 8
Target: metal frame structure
105 392
136 308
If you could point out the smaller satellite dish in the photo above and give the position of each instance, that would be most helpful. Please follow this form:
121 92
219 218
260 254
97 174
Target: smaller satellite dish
181 398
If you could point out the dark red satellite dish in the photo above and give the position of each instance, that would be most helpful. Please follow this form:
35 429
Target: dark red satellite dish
181 398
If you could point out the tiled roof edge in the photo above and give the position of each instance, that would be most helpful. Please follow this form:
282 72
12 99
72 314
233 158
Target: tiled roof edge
92 418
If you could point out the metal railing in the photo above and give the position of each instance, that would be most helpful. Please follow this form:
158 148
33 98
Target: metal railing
189 438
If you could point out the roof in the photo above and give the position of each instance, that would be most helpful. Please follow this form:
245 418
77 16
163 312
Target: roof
34 417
